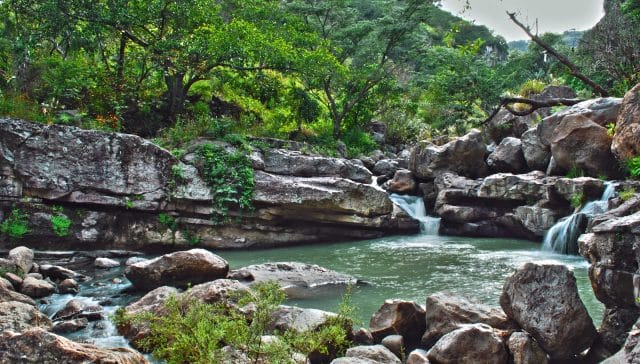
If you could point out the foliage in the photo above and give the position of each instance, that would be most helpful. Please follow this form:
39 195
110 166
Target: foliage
627 193
230 177
575 172
531 87
60 223
167 221
16 225
191 331
611 129
633 166
577 199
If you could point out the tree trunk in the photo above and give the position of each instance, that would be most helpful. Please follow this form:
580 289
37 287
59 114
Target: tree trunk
176 94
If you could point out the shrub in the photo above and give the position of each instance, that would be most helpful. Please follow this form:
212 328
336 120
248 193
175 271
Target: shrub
627 193
59 222
531 87
16 225
577 199
633 166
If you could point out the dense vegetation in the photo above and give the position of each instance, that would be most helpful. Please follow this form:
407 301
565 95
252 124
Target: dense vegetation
300 69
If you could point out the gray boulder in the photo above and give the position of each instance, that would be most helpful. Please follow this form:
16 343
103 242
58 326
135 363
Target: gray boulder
374 354
470 344
178 269
385 167
298 319
544 301
402 182
525 350
536 154
22 257
399 317
18 316
508 157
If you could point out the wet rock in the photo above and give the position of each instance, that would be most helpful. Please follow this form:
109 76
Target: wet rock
22 257
536 154
417 356
446 312
399 317
68 286
507 157
18 316
402 182
293 163
395 344
36 288
464 156
7 295
79 309
39 346
68 326
56 273
544 301
626 141
105 263
298 319
298 280
525 350
472 344
362 336
178 269
134 260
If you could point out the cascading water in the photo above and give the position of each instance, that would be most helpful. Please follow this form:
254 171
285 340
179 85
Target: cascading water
563 236
414 207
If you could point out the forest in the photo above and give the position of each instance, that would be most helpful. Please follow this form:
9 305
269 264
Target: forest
305 70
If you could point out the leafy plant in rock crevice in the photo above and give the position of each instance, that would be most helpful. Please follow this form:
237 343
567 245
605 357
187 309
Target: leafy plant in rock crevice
627 193
60 223
633 166
229 175
577 199
16 225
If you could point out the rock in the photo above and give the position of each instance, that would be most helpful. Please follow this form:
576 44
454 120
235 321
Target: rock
395 344
154 303
292 163
68 286
535 219
39 346
520 187
18 316
404 318
14 279
36 288
626 141
374 354
508 157
134 260
362 336
464 156
385 167
4 283
417 356
525 350
473 344
402 182
544 301
22 257
7 295
105 263
536 154
446 312
178 269
298 280
34 275
630 352
298 319
368 162
68 326
219 291
55 272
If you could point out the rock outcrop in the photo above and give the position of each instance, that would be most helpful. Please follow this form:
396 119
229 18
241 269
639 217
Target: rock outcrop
114 187
626 140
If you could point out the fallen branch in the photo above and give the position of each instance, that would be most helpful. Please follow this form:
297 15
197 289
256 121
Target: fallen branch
533 105
573 69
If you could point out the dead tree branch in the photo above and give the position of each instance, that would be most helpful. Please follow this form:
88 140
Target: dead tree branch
573 69
533 105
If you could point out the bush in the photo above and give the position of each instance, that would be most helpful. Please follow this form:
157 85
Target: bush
16 225
530 88
59 222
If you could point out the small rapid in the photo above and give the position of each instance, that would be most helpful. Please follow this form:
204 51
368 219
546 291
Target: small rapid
414 207
563 236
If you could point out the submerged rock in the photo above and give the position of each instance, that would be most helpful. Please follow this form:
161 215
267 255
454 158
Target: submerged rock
39 346
179 269
544 301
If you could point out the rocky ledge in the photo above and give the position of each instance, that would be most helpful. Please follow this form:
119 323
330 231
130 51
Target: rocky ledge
113 187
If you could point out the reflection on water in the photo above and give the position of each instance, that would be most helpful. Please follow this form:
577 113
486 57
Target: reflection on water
413 267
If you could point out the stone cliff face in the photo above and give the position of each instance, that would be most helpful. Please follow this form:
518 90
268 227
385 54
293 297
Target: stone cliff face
113 187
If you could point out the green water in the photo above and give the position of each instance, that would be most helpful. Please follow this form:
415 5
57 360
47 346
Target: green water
413 267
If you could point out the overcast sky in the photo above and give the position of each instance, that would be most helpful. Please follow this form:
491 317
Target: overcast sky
553 15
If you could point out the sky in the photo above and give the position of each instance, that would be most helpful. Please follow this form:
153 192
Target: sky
553 15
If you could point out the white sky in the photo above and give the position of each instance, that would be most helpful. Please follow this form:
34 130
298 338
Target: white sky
553 15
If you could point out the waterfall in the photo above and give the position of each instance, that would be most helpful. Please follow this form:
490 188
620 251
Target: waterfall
563 236
414 207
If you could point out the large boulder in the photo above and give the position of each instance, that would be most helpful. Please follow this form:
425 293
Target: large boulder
470 344
179 269
298 319
446 312
402 182
7 295
19 316
536 154
22 257
227 291
397 317
525 350
566 132
544 301
298 280
293 163
39 346
507 157
372 354
626 141
153 303
36 288
464 156
630 352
